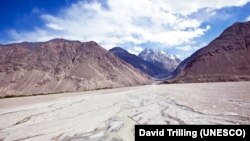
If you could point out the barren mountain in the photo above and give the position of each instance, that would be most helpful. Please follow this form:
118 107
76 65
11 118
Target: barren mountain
146 67
161 59
60 65
227 58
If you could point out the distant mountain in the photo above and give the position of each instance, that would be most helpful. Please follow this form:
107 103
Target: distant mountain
227 58
61 66
146 67
161 59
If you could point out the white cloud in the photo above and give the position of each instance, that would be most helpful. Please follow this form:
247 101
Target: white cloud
135 50
190 6
191 47
185 51
185 48
128 21
179 56
248 18
54 26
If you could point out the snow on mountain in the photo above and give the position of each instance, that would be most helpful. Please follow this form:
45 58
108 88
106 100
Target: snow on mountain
161 58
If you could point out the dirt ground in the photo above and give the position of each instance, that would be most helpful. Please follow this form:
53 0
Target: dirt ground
111 114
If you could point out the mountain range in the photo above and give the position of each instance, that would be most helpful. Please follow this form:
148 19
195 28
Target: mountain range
62 66
158 64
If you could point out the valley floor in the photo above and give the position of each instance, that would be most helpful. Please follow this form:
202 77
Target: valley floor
111 114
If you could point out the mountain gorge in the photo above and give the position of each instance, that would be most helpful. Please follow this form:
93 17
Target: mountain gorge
227 58
61 66
146 67
157 64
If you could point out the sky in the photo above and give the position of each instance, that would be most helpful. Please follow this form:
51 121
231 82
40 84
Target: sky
179 27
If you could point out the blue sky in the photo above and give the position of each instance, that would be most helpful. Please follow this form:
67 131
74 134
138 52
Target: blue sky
179 27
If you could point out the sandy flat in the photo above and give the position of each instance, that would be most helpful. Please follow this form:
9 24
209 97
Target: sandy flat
111 114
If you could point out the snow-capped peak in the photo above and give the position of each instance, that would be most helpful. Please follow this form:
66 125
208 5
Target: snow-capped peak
163 52
173 56
169 61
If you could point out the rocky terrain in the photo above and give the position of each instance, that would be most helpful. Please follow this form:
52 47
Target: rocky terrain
147 67
61 66
110 115
227 58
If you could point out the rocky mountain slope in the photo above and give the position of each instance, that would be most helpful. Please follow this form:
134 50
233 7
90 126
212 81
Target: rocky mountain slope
162 59
60 66
146 67
227 58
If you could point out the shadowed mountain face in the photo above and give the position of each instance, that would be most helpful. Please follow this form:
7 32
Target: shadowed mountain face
146 67
60 66
227 58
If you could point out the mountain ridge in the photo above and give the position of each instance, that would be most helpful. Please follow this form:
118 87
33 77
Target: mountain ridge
226 58
61 65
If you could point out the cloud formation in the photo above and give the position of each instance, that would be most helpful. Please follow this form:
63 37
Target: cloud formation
135 50
136 22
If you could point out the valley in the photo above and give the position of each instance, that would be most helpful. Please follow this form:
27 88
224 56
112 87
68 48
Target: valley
111 114
90 70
